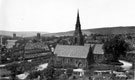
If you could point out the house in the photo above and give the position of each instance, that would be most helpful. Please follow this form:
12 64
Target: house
38 47
98 52
30 50
36 50
78 56
11 43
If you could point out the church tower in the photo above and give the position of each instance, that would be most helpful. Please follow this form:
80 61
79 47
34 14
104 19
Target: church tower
78 37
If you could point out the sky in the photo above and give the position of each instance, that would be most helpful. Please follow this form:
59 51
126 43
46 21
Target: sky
60 15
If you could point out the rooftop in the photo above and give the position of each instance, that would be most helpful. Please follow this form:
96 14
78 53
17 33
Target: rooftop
38 45
98 49
72 51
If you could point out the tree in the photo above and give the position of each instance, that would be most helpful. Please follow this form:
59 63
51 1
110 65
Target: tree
56 74
115 47
58 64
69 72
34 75
14 70
48 72
63 77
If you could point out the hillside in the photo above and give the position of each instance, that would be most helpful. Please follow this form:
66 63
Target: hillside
20 34
107 30
112 30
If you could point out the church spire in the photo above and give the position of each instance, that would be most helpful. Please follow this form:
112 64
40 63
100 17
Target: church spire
78 25
78 37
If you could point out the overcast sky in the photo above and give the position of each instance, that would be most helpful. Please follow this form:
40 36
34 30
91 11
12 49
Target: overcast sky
60 15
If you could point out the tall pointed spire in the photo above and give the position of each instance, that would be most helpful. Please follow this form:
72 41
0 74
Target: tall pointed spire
78 25
78 37
78 17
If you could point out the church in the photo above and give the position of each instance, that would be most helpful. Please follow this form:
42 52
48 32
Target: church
77 54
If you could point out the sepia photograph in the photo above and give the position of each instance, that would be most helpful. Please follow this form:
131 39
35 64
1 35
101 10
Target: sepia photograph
67 39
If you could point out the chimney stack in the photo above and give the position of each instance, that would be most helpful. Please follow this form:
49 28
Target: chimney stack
14 35
1 40
38 35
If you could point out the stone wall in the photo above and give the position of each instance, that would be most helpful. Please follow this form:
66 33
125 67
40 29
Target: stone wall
98 58
76 62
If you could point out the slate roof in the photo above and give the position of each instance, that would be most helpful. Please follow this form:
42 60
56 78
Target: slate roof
37 55
72 51
98 49
38 45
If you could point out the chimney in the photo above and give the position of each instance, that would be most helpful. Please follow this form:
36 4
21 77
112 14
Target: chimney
1 40
38 35
14 35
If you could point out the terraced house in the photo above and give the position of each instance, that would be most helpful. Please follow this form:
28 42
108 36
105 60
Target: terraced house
38 49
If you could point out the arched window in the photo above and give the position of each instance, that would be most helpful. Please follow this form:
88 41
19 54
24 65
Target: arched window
80 64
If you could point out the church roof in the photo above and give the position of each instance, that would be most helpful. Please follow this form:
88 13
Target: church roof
72 51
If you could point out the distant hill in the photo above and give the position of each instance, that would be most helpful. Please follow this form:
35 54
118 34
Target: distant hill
20 34
112 30
107 30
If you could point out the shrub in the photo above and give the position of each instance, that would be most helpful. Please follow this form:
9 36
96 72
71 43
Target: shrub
69 72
